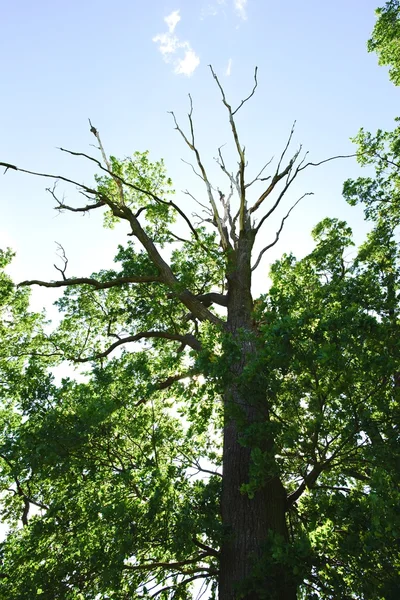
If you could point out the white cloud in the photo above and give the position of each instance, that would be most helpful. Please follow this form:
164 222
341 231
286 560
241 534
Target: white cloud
240 7
179 53
229 68
172 20
188 64
168 43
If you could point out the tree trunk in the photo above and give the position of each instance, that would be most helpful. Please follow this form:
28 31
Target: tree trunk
247 522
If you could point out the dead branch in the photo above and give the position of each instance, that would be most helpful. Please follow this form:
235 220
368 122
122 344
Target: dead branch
62 206
288 182
258 176
240 149
204 207
311 164
250 95
186 162
82 209
278 176
49 176
62 255
278 232
192 145
286 147
220 161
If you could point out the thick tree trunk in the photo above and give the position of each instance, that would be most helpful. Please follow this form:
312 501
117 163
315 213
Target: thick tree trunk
247 522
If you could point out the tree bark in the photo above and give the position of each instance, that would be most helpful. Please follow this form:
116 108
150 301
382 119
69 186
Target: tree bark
246 521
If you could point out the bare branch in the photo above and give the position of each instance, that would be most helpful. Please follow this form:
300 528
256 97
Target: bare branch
82 209
288 182
286 147
250 95
220 161
49 176
278 232
186 162
62 255
240 149
62 206
204 207
311 164
276 179
258 176
204 220
98 285
192 145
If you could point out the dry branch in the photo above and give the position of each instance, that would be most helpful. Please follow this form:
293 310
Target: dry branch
278 233
192 145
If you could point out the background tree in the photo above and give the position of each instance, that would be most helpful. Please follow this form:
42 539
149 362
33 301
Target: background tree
385 38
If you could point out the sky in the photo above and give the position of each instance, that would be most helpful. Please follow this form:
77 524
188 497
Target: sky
126 64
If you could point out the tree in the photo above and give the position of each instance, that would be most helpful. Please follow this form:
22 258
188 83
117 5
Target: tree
297 388
385 38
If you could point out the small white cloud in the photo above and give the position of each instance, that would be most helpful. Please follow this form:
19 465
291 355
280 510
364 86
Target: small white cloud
240 7
171 47
188 64
168 43
229 68
172 20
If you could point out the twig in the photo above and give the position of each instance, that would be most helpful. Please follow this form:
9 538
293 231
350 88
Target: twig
278 232
250 95
240 149
64 259
192 145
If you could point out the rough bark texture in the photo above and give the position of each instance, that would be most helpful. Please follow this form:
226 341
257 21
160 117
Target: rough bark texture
246 522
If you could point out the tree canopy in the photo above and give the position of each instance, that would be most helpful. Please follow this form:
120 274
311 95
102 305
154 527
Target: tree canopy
246 445
385 38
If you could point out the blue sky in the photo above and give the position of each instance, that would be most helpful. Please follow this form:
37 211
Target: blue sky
126 64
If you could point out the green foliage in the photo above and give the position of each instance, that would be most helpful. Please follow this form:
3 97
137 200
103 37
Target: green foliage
110 483
331 330
141 175
380 192
385 40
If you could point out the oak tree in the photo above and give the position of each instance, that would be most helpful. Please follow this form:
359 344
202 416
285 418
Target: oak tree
247 443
